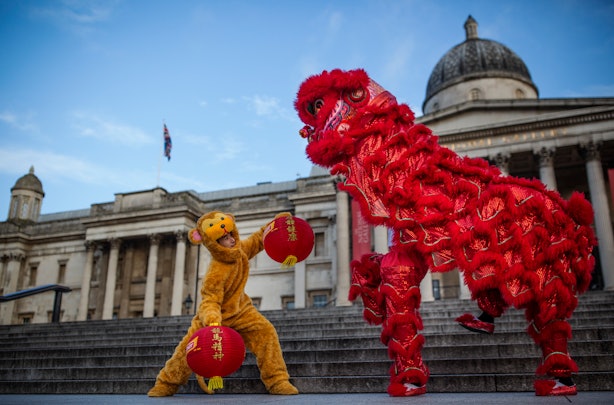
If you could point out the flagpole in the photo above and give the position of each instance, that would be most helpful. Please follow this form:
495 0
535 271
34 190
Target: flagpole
159 164
160 160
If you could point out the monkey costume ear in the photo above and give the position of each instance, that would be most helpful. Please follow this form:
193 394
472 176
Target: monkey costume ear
195 237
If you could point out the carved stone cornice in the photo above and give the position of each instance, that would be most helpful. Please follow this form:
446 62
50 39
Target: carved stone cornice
591 151
502 160
546 157
115 243
14 257
181 236
494 131
154 238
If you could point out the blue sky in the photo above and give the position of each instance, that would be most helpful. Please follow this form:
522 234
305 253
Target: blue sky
85 86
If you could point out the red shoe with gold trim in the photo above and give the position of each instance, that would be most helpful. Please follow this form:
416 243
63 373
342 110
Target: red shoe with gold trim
470 322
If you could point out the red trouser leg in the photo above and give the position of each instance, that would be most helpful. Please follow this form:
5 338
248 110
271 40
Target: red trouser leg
551 331
366 281
491 302
401 275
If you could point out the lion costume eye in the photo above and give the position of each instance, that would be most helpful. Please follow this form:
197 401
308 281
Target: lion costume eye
314 108
357 95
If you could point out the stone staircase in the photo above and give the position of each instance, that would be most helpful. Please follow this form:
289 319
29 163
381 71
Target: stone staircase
328 350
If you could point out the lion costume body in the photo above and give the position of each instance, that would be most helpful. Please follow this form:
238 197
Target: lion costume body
516 243
224 302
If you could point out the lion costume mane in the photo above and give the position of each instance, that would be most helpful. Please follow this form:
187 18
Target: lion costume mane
225 303
517 243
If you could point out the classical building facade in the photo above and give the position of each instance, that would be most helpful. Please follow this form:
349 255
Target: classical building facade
131 258
482 102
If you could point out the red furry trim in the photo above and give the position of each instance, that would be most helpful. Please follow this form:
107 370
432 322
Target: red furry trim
580 209
414 376
400 390
548 332
491 302
543 387
557 365
365 283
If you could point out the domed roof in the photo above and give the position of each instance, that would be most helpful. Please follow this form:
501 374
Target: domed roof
476 58
29 182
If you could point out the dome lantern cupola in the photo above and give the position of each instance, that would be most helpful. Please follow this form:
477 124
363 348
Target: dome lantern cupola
477 69
471 28
26 198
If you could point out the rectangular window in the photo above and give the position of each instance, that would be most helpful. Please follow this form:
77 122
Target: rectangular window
319 248
32 274
62 271
256 301
26 318
287 302
319 299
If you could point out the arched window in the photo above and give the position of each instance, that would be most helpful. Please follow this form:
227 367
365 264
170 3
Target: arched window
520 94
475 94
24 208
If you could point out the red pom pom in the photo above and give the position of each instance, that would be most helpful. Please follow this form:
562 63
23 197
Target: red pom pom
288 240
215 351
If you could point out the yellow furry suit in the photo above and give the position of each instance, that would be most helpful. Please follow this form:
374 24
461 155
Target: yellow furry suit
225 303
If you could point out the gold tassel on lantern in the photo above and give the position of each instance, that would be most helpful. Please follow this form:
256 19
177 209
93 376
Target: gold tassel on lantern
290 261
215 383
202 385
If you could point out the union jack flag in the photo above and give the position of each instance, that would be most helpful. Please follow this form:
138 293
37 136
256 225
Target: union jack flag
168 144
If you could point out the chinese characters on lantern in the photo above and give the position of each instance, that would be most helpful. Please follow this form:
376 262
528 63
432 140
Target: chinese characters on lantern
291 229
217 344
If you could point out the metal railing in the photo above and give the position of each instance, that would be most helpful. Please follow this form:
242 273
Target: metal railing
57 302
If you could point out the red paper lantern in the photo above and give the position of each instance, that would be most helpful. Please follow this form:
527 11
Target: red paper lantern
214 352
288 240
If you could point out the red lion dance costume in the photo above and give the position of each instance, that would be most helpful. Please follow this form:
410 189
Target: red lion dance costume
516 243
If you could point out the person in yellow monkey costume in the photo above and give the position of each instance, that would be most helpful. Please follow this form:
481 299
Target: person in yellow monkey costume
225 303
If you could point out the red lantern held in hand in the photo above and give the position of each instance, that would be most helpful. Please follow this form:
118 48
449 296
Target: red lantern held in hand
214 352
288 240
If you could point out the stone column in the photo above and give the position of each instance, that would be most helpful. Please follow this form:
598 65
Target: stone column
177 299
124 300
343 249
380 239
546 167
109 294
84 300
426 288
502 160
603 222
150 283
13 267
300 279
464 293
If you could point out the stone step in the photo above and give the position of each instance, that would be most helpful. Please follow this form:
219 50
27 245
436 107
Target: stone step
123 357
327 350
355 340
365 368
124 335
589 381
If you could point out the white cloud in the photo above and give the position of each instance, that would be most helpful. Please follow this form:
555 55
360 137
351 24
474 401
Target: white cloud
263 105
54 165
20 122
223 148
397 63
335 21
93 126
81 12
